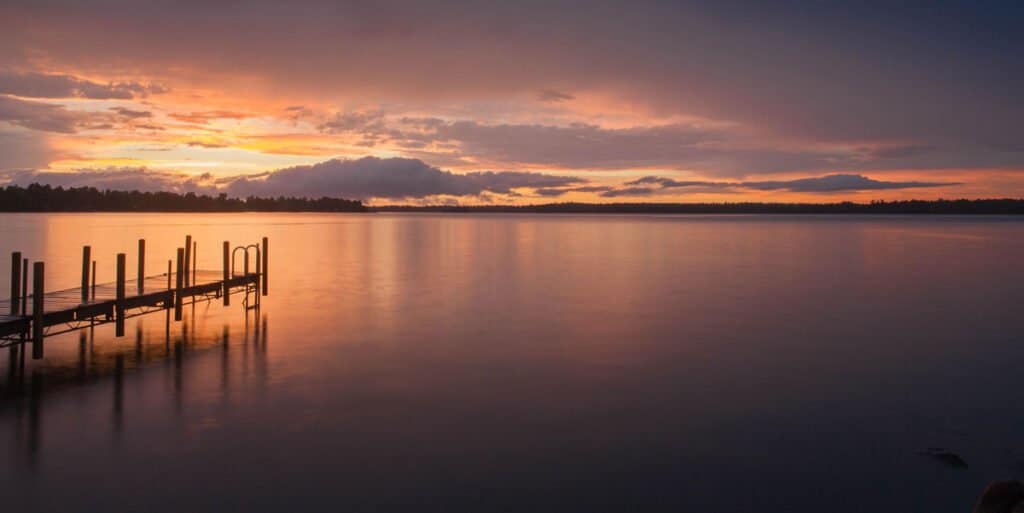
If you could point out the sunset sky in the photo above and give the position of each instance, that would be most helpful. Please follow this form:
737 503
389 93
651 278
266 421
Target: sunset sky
515 102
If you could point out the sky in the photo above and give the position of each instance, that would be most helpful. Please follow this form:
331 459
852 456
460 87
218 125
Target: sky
451 102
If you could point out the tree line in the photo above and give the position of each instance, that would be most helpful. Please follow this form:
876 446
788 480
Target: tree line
959 206
45 198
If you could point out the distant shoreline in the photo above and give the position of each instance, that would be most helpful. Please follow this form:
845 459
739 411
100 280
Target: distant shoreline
917 207
43 198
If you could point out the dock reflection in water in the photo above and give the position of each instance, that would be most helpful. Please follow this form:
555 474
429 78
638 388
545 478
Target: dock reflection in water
118 377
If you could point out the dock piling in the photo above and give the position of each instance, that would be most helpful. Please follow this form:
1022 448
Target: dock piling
15 282
178 283
227 271
187 258
266 260
24 287
120 294
195 260
142 265
38 292
168 275
86 260
256 283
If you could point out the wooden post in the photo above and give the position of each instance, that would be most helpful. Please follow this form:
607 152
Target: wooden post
86 260
195 260
168 275
227 271
93 280
188 257
178 282
266 261
256 283
15 282
24 289
142 265
119 305
37 309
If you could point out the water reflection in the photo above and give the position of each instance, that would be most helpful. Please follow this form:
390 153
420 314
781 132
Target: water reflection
562 363
99 361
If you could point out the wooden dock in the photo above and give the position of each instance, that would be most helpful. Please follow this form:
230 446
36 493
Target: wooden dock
33 316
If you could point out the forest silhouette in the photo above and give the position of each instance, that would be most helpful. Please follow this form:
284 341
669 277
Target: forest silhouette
45 198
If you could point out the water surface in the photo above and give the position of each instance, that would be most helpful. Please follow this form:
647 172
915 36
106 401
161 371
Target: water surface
532 363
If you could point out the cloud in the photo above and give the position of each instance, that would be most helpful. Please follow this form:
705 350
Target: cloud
52 117
555 192
366 123
45 85
199 143
577 145
839 182
711 149
204 117
628 191
823 184
779 87
131 113
42 116
549 192
114 178
550 95
394 178
413 180
668 182
950 73
297 112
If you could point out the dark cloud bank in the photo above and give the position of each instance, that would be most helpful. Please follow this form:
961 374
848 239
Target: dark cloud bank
388 178
411 179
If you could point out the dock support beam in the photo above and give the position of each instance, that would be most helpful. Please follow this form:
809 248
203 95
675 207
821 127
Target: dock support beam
86 261
266 261
178 283
188 258
15 282
119 305
38 292
227 273
142 265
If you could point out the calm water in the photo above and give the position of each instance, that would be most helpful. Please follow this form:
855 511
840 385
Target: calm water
533 363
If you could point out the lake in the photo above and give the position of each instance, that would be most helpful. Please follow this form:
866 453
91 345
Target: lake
426 362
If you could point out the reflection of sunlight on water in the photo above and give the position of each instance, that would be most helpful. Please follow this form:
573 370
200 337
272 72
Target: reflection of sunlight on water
91 360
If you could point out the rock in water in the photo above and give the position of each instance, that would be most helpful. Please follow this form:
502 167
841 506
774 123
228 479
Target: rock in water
1001 497
946 456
